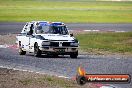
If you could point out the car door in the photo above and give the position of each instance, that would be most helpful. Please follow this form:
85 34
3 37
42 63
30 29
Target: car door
26 38
31 37
32 40
26 42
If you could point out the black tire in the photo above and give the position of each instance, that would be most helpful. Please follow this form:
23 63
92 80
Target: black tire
81 80
37 51
21 52
74 55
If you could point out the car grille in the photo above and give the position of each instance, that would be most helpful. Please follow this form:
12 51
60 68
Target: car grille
66 44
56 44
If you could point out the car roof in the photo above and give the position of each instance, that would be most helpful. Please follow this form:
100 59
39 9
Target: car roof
47 23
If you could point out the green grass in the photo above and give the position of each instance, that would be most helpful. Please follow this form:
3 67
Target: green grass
50 82
82 11
112 42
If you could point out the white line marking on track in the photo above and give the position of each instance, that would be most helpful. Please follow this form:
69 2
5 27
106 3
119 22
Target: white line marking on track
91 30
3 46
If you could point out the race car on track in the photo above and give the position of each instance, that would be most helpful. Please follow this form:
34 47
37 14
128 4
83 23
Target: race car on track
51 38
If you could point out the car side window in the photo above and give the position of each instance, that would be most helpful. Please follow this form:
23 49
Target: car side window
31 29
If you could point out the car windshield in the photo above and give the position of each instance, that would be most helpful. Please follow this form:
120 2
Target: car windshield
55 29
58 30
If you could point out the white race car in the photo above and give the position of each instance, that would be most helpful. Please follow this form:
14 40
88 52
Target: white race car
51 38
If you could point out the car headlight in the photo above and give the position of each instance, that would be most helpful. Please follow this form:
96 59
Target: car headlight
74 44
45 43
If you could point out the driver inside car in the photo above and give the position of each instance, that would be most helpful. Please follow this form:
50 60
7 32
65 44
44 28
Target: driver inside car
38 29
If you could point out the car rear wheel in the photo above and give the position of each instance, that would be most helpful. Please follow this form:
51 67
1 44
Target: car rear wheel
21 52
37 51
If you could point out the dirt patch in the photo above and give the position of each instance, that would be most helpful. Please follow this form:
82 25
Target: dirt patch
18 79
7 39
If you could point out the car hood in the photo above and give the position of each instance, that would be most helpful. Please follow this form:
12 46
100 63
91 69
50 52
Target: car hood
58 37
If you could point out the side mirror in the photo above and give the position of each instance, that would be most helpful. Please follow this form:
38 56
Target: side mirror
71 34
29 33
32 36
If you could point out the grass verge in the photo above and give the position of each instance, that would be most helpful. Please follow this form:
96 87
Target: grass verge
18 79
101 43
82 11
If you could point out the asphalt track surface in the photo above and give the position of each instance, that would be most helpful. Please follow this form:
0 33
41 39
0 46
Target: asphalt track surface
16 27
64 66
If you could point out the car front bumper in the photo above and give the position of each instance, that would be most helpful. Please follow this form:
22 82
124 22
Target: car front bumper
59 50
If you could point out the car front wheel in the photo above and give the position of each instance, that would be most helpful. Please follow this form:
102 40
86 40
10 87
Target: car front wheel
74 55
